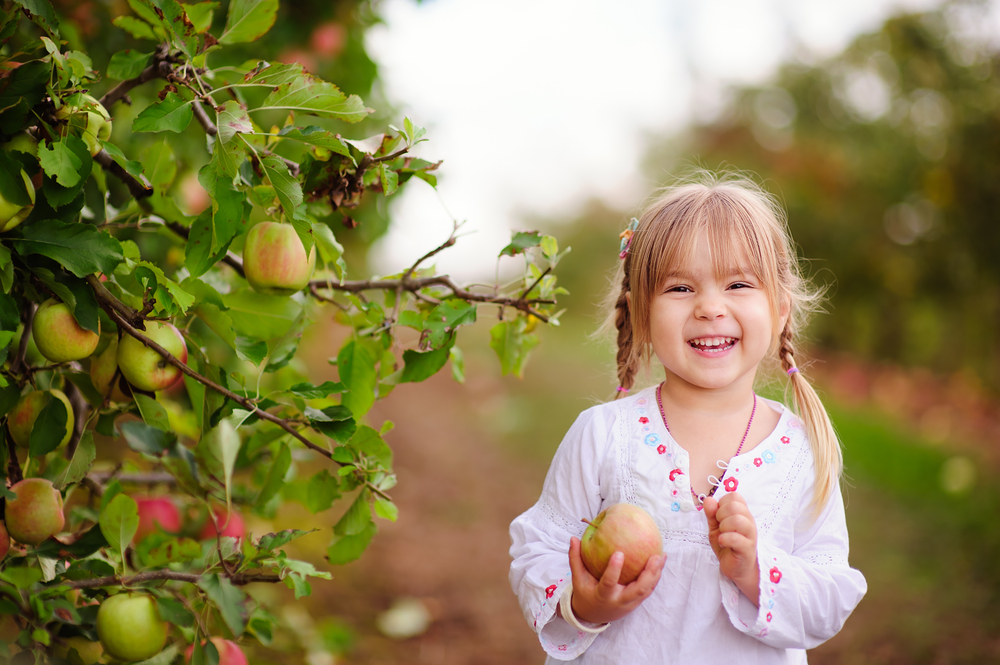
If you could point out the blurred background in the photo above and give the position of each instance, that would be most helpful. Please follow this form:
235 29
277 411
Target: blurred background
876 124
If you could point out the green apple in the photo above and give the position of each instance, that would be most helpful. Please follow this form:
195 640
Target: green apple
229 652
275 261
12 214
97 121
620 528
102 370
146 369
21 420
58 335
130 628
90 652
36 513
22 142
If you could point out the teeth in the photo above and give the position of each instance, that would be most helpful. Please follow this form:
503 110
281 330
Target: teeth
713 343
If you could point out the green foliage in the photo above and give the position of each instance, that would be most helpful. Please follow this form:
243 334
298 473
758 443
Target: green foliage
119 236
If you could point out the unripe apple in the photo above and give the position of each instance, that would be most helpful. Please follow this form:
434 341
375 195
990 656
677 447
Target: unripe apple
234 528
22 142
621 528
22 418
4 541
146 369
275 261
156 512
229 652
98 122
12 214
102 370
130 628
58 335
90 652
36 513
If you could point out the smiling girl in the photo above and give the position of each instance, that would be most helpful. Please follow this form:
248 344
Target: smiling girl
745 492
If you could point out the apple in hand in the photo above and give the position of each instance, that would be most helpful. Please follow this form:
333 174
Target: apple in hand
620 528
58 335
156 512
36 513
234 528
146 369
130 628
22 418
12 214
275 261
98 122
229 652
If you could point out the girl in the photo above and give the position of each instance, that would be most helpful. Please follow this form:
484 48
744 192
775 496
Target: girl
745 493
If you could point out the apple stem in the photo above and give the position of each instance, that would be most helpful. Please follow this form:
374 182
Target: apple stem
587 522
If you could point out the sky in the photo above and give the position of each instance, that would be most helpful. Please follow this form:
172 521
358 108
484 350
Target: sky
535 106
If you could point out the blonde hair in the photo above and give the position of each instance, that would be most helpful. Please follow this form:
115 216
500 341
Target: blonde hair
740 219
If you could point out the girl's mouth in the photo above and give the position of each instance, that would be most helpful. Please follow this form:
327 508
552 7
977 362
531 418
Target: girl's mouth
713 344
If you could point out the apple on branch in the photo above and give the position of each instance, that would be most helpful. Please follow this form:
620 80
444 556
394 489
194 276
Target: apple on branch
36 513
102 370
623 528
58 335
275 261
229 652
146 369
93 117
12 214
23 416
130 628
233 528
156 513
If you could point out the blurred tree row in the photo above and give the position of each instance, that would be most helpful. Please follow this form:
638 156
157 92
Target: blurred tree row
887 160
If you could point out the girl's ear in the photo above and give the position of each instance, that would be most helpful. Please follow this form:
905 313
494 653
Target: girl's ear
785 309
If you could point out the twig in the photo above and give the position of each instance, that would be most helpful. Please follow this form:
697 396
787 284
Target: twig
535 283
155 575
28 316
151 478
139 189
160 68
229 259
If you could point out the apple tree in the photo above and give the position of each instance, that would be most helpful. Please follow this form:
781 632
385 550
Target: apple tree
150 385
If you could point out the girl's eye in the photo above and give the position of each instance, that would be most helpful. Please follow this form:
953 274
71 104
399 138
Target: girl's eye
677 289
741 285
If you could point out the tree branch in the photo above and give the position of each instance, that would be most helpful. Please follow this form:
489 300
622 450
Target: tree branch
229 259
155 575
160 68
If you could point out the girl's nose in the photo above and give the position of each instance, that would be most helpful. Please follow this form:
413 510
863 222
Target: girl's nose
710 306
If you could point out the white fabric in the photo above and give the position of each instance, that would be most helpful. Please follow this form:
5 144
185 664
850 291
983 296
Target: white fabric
621 451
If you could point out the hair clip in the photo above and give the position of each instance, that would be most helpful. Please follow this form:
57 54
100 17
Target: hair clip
626 237
622 389
792 370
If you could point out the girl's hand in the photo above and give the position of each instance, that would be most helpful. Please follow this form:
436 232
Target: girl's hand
732 532
605 600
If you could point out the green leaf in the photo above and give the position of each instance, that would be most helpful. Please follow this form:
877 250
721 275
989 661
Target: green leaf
135 27
42 14
550 247
145 439
308 391
356 366
160 165
423 365
272 541
230 209
80 248
21 578
23 89
119 521
330 251
261 316
227 598
334 421
173 611
316 136
152 412
444 319
233 120
6 269
49 428
344 549
275 476
286 187
168 293
79 465
68 160
521 241
9 396
308 94
322 491
357 518
386 509
389 178
198 255
512 346
228 157
201 15
173 114
248 20
369 442
127 64
174 550
12 184
218 450
457 364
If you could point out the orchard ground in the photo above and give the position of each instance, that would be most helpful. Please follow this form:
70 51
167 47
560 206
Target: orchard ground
470 458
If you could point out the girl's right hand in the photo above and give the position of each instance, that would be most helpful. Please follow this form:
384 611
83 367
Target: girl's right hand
605 600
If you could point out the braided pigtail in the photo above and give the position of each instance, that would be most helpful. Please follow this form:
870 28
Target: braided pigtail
626 358
822 437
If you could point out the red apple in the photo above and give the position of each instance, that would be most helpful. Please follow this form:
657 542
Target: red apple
275 261
58 336
229 652
102 369
621 528
234 528
22 418
130 628
36 513
156 512
146 369
12 214
4 541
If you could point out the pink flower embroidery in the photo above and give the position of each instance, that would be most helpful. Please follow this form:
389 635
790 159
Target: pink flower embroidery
675 473
549 590
757 461
769 617
775 575
731 484
661 449
644 420
785 439
562 647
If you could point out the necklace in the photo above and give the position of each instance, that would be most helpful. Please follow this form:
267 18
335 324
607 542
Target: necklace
659 402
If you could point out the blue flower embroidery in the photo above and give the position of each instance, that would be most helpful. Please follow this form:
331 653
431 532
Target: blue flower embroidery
769 456
675 506
652 439
641 411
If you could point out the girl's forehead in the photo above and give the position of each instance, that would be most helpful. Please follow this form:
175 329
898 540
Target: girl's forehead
704 254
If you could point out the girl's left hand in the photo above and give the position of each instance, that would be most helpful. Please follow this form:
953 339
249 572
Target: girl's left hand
732 533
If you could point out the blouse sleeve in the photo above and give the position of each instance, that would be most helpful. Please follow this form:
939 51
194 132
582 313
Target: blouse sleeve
540 537
807 594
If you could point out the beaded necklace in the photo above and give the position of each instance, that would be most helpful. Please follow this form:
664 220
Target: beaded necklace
659 402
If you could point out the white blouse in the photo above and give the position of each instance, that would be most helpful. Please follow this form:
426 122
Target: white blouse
621 451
